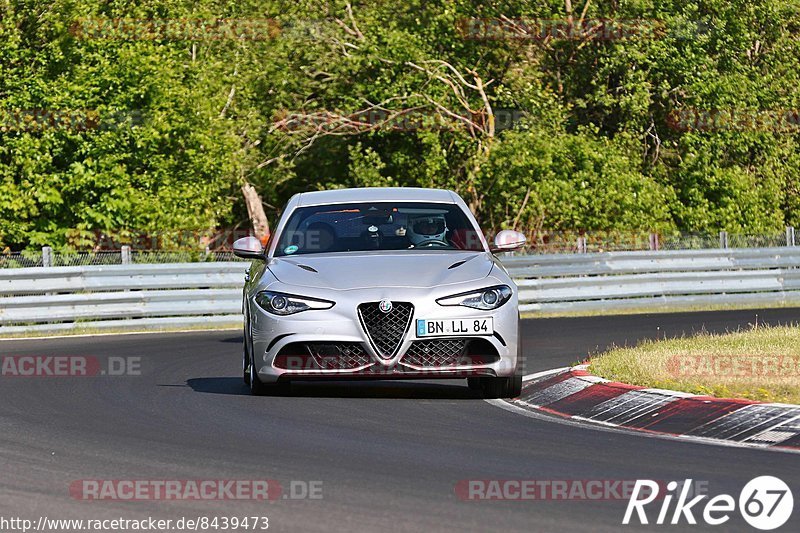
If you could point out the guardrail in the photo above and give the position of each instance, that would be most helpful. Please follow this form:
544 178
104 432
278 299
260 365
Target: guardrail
178 295
145 296
616 281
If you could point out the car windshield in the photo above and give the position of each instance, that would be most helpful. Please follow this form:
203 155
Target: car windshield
377 226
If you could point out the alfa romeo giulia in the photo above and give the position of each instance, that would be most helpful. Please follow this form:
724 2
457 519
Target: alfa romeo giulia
380 283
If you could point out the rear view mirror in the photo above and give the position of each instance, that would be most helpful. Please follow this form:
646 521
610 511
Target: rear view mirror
508 240
248 248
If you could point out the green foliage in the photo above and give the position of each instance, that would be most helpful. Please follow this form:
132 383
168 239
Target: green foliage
176 126
573 181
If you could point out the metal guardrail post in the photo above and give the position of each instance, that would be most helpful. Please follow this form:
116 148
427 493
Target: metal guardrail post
654 244
126 255
581 244
47 256
723 239
789 236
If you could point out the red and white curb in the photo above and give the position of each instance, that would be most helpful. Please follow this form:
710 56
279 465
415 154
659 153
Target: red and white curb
574 394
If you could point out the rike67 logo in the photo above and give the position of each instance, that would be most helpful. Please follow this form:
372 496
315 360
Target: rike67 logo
765 503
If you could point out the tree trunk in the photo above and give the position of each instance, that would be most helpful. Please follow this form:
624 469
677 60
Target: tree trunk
255 210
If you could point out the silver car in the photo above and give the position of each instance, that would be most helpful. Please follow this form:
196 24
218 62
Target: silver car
380 283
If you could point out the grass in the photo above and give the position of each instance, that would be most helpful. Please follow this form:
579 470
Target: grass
761 363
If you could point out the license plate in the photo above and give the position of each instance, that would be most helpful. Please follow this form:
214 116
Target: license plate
454 327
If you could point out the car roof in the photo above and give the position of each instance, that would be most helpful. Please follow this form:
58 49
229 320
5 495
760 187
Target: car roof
375 194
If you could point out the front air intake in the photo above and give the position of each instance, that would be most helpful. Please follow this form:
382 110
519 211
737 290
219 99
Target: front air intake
437 352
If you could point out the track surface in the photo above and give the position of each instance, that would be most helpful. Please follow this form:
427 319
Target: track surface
389 454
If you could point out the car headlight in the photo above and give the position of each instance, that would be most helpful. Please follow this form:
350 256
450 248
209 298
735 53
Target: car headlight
282 304
487 299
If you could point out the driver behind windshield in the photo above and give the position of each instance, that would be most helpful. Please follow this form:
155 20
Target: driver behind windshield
378 226
319 237
428 230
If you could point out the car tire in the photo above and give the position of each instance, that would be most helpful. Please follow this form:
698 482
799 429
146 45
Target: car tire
259 388
514 386
246 358
474 383
501 387
493 387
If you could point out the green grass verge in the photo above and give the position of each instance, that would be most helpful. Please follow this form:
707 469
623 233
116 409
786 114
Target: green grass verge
759 364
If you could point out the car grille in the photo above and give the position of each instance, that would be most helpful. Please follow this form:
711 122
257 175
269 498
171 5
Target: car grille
322 356
386 330
339 356
438 352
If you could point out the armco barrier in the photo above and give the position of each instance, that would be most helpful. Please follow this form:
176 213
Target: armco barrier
121 296
614 281
147 296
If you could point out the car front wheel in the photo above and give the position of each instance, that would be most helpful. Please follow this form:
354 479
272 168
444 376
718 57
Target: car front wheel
259 388
510 387
246 358
474 383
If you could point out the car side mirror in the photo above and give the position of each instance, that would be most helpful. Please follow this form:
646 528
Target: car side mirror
508 241
248 248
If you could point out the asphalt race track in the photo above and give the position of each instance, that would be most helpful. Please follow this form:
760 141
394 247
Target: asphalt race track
389 455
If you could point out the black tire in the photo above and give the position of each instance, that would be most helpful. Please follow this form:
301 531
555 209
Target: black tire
501 387
474 383
259 388
492 387
246 358
514 388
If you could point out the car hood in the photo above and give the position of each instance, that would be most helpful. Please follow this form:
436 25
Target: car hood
345 271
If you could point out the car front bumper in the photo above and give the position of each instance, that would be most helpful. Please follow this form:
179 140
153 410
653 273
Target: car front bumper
285 348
